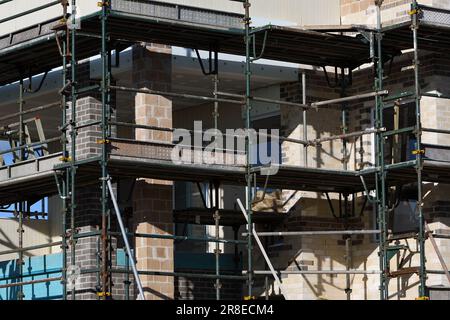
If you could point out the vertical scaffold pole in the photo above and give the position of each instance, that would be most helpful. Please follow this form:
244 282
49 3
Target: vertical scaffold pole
217 235
344 120
247 22
305 127
73 135
65 176
216 89
20 294
381 174
418 152
105 93
21 124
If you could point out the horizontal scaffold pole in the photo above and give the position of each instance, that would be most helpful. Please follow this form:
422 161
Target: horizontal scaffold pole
30 145
24 13
260 99
316 233
345 136
137 235
35 109
436 130
317 272
176 95
36 247
281 138
172 274
183 238
23 283
313 105
350 98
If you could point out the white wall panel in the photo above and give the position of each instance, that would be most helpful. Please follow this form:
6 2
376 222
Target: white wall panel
287 12
36 232
301 12
8 9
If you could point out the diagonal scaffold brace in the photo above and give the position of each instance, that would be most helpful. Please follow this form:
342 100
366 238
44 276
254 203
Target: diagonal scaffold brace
125 240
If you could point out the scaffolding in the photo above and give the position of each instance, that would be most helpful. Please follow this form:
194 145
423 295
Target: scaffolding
259 42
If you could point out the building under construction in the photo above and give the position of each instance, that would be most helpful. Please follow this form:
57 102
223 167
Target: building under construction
350 96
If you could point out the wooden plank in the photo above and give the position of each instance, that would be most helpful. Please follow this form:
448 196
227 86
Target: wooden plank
436 249
403 271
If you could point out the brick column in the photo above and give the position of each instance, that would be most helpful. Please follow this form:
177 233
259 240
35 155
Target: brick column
88 198
152 199
152 66
153 214
88 250
88 206
153 110
153 203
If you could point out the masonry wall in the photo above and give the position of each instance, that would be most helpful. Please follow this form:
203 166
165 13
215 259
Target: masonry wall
88 249
311 211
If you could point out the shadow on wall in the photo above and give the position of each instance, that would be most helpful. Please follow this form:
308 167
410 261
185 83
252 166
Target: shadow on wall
318 252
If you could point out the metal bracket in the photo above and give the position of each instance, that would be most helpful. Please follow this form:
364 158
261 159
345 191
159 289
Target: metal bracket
369 198
103 141
201 195
330 205
30 83
263 48
211 69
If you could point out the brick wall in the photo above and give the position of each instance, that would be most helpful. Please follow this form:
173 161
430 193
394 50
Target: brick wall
311 212
152 66
87 249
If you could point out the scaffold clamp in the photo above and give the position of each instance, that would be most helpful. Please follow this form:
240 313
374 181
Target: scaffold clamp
103 294
103 141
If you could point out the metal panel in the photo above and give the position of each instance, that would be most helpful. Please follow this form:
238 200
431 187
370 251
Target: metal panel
435 16
178 12
28 168
40 267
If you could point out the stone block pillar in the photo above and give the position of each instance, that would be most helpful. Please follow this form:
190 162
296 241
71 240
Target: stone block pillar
153 203
153 110
152 199
153 214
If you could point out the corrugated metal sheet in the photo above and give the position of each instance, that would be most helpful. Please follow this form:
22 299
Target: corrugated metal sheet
178 12
35 268
36 232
